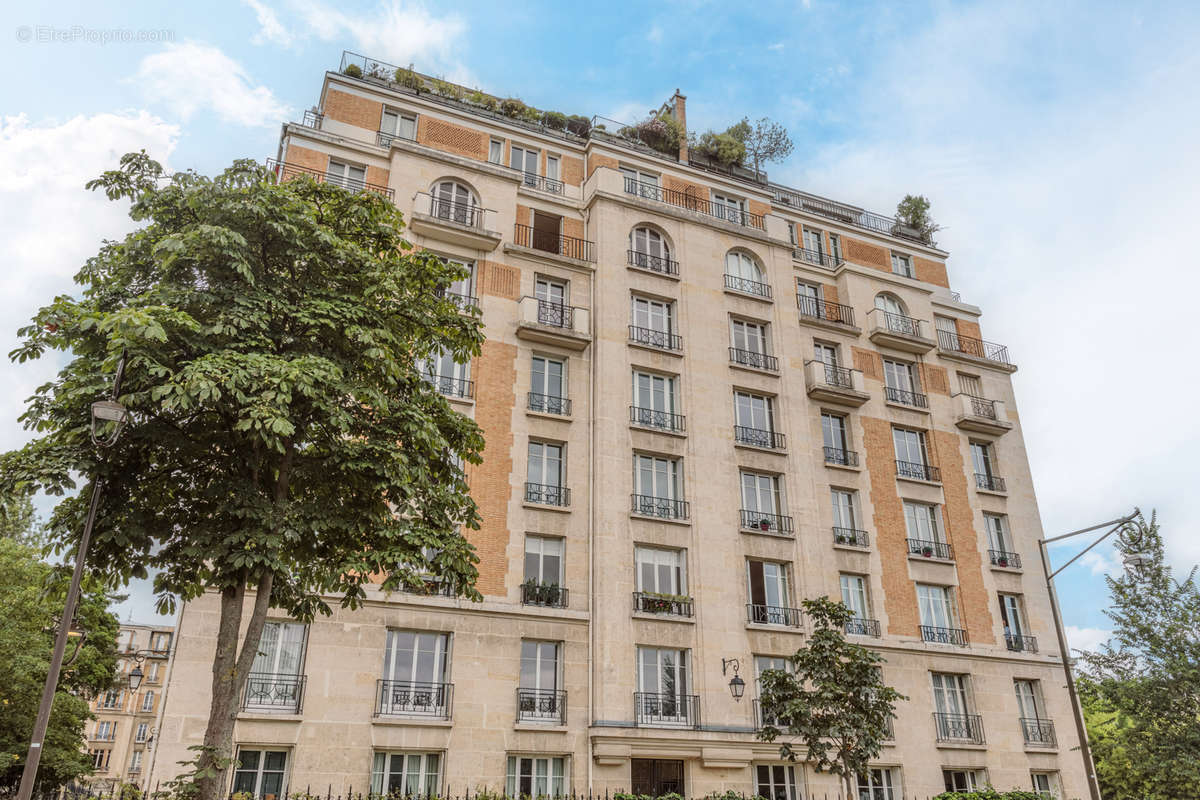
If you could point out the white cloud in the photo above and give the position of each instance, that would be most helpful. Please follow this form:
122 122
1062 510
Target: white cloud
1088 639
191 77
50 224
270 29
775 46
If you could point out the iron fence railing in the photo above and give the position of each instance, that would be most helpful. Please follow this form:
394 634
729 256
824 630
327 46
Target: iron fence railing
662 507
1004 558
753 358
861 626
982 407
815 308
917 471
816 257
464 302
451 386
542 183
553 242
990 483
958 727
285 171
1020 642
385 139
675 710
663 340
906 398
268 691
758 437
556 315
413 698
550 404
542 705
312 119
762 614
938 635
841 457
547 494
550 595
656 603
747 286
1038 732
929 548
660 264
852 537
692 202
988 351
901 324
841 377
766 523
850 215
466 214
653 418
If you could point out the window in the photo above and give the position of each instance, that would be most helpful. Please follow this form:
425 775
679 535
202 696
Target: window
411 774
775 781
754 417
445 374
395 123
148 701
111 699
902 383
525 160
349 176
902 265
274 679
160 642
536 776
947 332
106 731
656 486
143 730
537 695
152 672
543 560
964 780
661 571
641 183
1029 700
749 337
99 759
936 605
551 291
454 202
654 403
792 234
845 514
761 494
649 250
655 777
949 693
970 384
921 521
814 243
730 208
496 151
854 595
811 298
910 450
552 167
877 784
743 273
769 598
653 323
414 673
664 686
1012 615
260 773
891 306
1045 783
835 247
135 761
546 473
984 463
548 385
999 538
835 438
827 354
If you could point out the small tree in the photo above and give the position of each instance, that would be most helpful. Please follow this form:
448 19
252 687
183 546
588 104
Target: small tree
913 212
18 522
833 699
766 141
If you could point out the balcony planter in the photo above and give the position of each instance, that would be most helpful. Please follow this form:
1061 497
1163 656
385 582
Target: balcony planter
1002 562
764 524
927 552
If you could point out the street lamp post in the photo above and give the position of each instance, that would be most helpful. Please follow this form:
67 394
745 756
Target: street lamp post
108 420
1132 561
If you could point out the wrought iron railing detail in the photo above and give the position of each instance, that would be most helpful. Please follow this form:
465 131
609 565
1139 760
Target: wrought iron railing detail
431 586
547 494
1004 558
955 636
652 338
843 458
461 213
692 202
967 345
824 309
464 302
906 398
541 182
861 626
653 418
283 171
841 377
385 139
929 548
901 324
542 705
958 727
648 505
917 471
266 690
758 437
851 537
982 407
1020 642
313 119
990 483
655 603
552 242
556 315
816 258
766 523
747 286
661 264
451 386
675 710
752 358
550 404
762 614
413 698
850 215
1038 732
550 595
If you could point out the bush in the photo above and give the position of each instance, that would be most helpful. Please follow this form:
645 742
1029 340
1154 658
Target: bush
721 148
409 79
555 120
352 71
578 125
913 212
991 794
531 114
447 89
512 107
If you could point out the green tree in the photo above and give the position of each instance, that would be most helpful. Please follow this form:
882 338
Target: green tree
833 698
18 521
913 212
284 448
1146 678
766 141
32 594
991 794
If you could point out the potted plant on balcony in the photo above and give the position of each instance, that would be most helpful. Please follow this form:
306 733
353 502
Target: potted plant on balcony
1002 561
764 524
927 550
913 219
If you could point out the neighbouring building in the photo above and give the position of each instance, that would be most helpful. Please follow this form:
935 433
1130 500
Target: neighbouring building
123 734
705 397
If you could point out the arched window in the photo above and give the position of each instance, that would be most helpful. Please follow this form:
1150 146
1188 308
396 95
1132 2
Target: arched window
890 304
743 274
895 315
650 250
455 202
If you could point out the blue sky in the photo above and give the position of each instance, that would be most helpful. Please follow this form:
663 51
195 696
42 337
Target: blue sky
1057 143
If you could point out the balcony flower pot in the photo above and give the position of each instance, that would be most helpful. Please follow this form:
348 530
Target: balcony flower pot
927 552
764 524
1002 562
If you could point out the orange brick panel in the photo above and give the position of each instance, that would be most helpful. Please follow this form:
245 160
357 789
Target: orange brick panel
868 363
697 190
572 170
524 215
762 209
931 272
899 592
831 292
353 110
868 255
451 138
595 161
966 327
500 280
572 227
307 157
934 379
377 175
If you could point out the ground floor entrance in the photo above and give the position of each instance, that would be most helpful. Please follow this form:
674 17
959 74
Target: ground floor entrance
656 776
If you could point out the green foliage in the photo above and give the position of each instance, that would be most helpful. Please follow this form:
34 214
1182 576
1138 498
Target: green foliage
32 594
991 794
725 149
1141 691
578 125
447 89
660 131
352 71
765 142
512 107
531 114
833 699
555 120
18 521
913 212
410 80
483 100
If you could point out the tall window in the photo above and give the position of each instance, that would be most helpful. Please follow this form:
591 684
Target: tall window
999 538
447 375
877 784
349 176
653 323
649 250
543 560
539 681
814 242
754 416
148 700
261 773
743 273
106 731
970 384
845 514
902 265
546 464
775 781
656 486
730 208
135 761
152 672
903 383
890 305
983 460
1029 699
143 730
639 182
1045 783
414 673
854 595
1012 616
768 591
947 332
664 671
910 448
525 160
827 354
410 774
964 780
99 759
111 699
921 520
548 385
552 167
654 403
398 124
550 291
835 437
496 151
835 247
274 678
661 571
949 693
536 776
761 493
810 296
936 604
455 202
749 336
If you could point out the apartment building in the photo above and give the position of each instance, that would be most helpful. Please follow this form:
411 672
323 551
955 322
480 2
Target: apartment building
705 397
123 733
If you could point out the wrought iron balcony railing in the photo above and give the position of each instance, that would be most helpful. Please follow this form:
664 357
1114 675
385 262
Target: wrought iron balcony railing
766 523
930 549
955 636
672 710
653 418
266 691
1038 732
843 458
541 182
823 309
312 119
816 258
906 398
542 705
988 351
655 603
758 437
1004 558
919 472
550 595
556 315
464 302
1020 642
285 171
660 264
652 338
990 483
466 214
849 215
691 202
752 358
451 386
385 139
549 404
547 494
762 614
901 324
430 586
851 537
958 727
413 699
747 286
841 377
982 407
662 507
861 626
551 242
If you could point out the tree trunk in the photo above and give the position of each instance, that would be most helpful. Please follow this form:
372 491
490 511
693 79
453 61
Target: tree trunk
848 777
230 670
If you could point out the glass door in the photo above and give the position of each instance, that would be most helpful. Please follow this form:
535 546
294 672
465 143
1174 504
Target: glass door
663 682
274 680
414 673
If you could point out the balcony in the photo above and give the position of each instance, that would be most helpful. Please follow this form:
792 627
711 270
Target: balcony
552 242
760 438
936 635
824 314
659 264
904 397
756 289
666 710
313 119
547 595
385 139
831 384
690 202
413 699
958 728
457 223
659 340
837 457
753 359
465 303
542 706
928 548
666 604
898 332
761 522
1038 732
430 586
816 258
990 483
910 470
980 415
860 626
285 171
1004 559
658 420
760 614
451 386
645 505
549 404
547 322
850 537
531 180
279 694
974 351
849 215
543 494
1020 642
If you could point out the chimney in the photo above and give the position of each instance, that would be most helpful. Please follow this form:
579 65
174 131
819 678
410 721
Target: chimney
680 103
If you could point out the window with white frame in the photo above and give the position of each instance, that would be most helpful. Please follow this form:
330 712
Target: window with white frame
274 682
878 784
749 337
730 208
950 695
653 322
546 473
984 461
936 604
261 773
811 298
99 759
999 538
143 730
910 447
663 672
743 273
537 776
453 201
539 679
661 570
1045 783
902 265
415 664
970 384
921 522
845 510
814 242
152 672
836 438
768 593
792 237
135 761
761 494
827 354
548 384
903 383
148 700
1012 617
496 151
349 176
657 486
543 560
111 699
398 124
410 774
754 416
835 247
1029 699
525 160
775 781
964 780
447 375
947 332
553 171
643 184
654 401
854 595
160 642
649 249
106 731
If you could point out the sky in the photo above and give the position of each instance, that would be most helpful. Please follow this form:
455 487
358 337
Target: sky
1057 142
